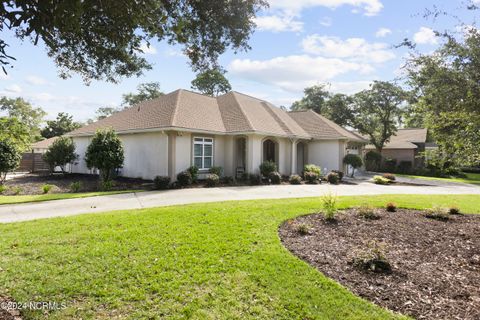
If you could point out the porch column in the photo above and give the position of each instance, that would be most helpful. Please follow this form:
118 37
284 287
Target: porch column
171 155
293 161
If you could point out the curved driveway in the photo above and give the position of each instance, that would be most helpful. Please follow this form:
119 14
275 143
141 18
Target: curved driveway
126 201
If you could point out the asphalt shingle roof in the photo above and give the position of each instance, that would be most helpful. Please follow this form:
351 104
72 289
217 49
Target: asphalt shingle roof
405 139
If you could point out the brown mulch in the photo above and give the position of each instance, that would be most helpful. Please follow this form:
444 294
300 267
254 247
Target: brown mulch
8 314
435 264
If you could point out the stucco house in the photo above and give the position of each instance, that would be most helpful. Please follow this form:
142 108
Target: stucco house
165 136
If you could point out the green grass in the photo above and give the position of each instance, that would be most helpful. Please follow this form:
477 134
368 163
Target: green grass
472 178
203 261
57 196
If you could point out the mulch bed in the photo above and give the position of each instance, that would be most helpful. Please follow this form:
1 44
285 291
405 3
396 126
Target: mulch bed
8 314
435 264
32 183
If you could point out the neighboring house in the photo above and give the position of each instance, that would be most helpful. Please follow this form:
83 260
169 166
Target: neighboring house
42 146
166 135
406 145
33 161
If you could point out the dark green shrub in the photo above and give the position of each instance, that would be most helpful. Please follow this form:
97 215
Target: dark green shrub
275 178
255 179
405 166
193 170
161 182
454 210
9 158
2 189
371 258
389 176
311 177
354 161
227 180
333 178
391 207
184 178
295 179
312 168
106 185
212 180
75 186
60 153
267 167
105 152
373 159
389 165
340 174
216 170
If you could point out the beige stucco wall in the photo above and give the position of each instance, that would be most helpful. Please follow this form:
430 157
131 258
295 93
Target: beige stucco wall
81 144
326 154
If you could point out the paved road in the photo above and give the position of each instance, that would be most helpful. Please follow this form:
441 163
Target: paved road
126 201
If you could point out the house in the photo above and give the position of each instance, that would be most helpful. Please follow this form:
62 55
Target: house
166 135
406 145
43 145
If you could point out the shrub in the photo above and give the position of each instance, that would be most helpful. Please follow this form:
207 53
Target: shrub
75 186
454 210
255 179
267 167
311 177
2 189
212 180
275 178
46 188
340 174
216 170
105 152
184 178
367 212
329 204
161 182
193 170
333 178
405 166
354 161
60 153
380 180
389 165
303 229
312 168
227 180
389 176
9 158
295 179
391 207
437 213
371 258
17 190
107 185
373 159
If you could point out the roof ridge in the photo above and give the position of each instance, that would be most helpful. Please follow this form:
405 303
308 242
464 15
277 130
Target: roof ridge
197 93
283 125
241 109
175 109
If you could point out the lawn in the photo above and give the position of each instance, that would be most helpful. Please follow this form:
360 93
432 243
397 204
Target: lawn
57 196
472 178
202 261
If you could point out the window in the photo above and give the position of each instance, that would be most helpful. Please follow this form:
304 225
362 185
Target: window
203 153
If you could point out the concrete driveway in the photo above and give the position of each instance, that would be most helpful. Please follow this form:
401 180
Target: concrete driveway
127 201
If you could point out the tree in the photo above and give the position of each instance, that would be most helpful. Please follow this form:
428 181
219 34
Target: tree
447 85
145 91
376 111
62 124
105 152
211 82
60 153
9 158
104 40
105 112
17 132
354 161
27 114
314 99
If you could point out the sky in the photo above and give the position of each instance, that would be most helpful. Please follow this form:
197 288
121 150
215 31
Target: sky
297 43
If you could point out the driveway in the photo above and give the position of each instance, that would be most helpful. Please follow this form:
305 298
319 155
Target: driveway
128 201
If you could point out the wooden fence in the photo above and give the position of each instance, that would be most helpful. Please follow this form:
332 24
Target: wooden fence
32 162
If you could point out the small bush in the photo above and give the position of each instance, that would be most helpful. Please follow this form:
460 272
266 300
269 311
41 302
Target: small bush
2 189
372 160
391 207
312 168
340 174
17 190
389 165
437 213
295 179
161 182
267 167
371 258
454 210
311 177
405 166
303 229
275 178
329 204
380 180
212 180
107 185
184 178
227 180
46 188
354 161
193 170
75 186
367 212
333 178
389 176
216 170
255 179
